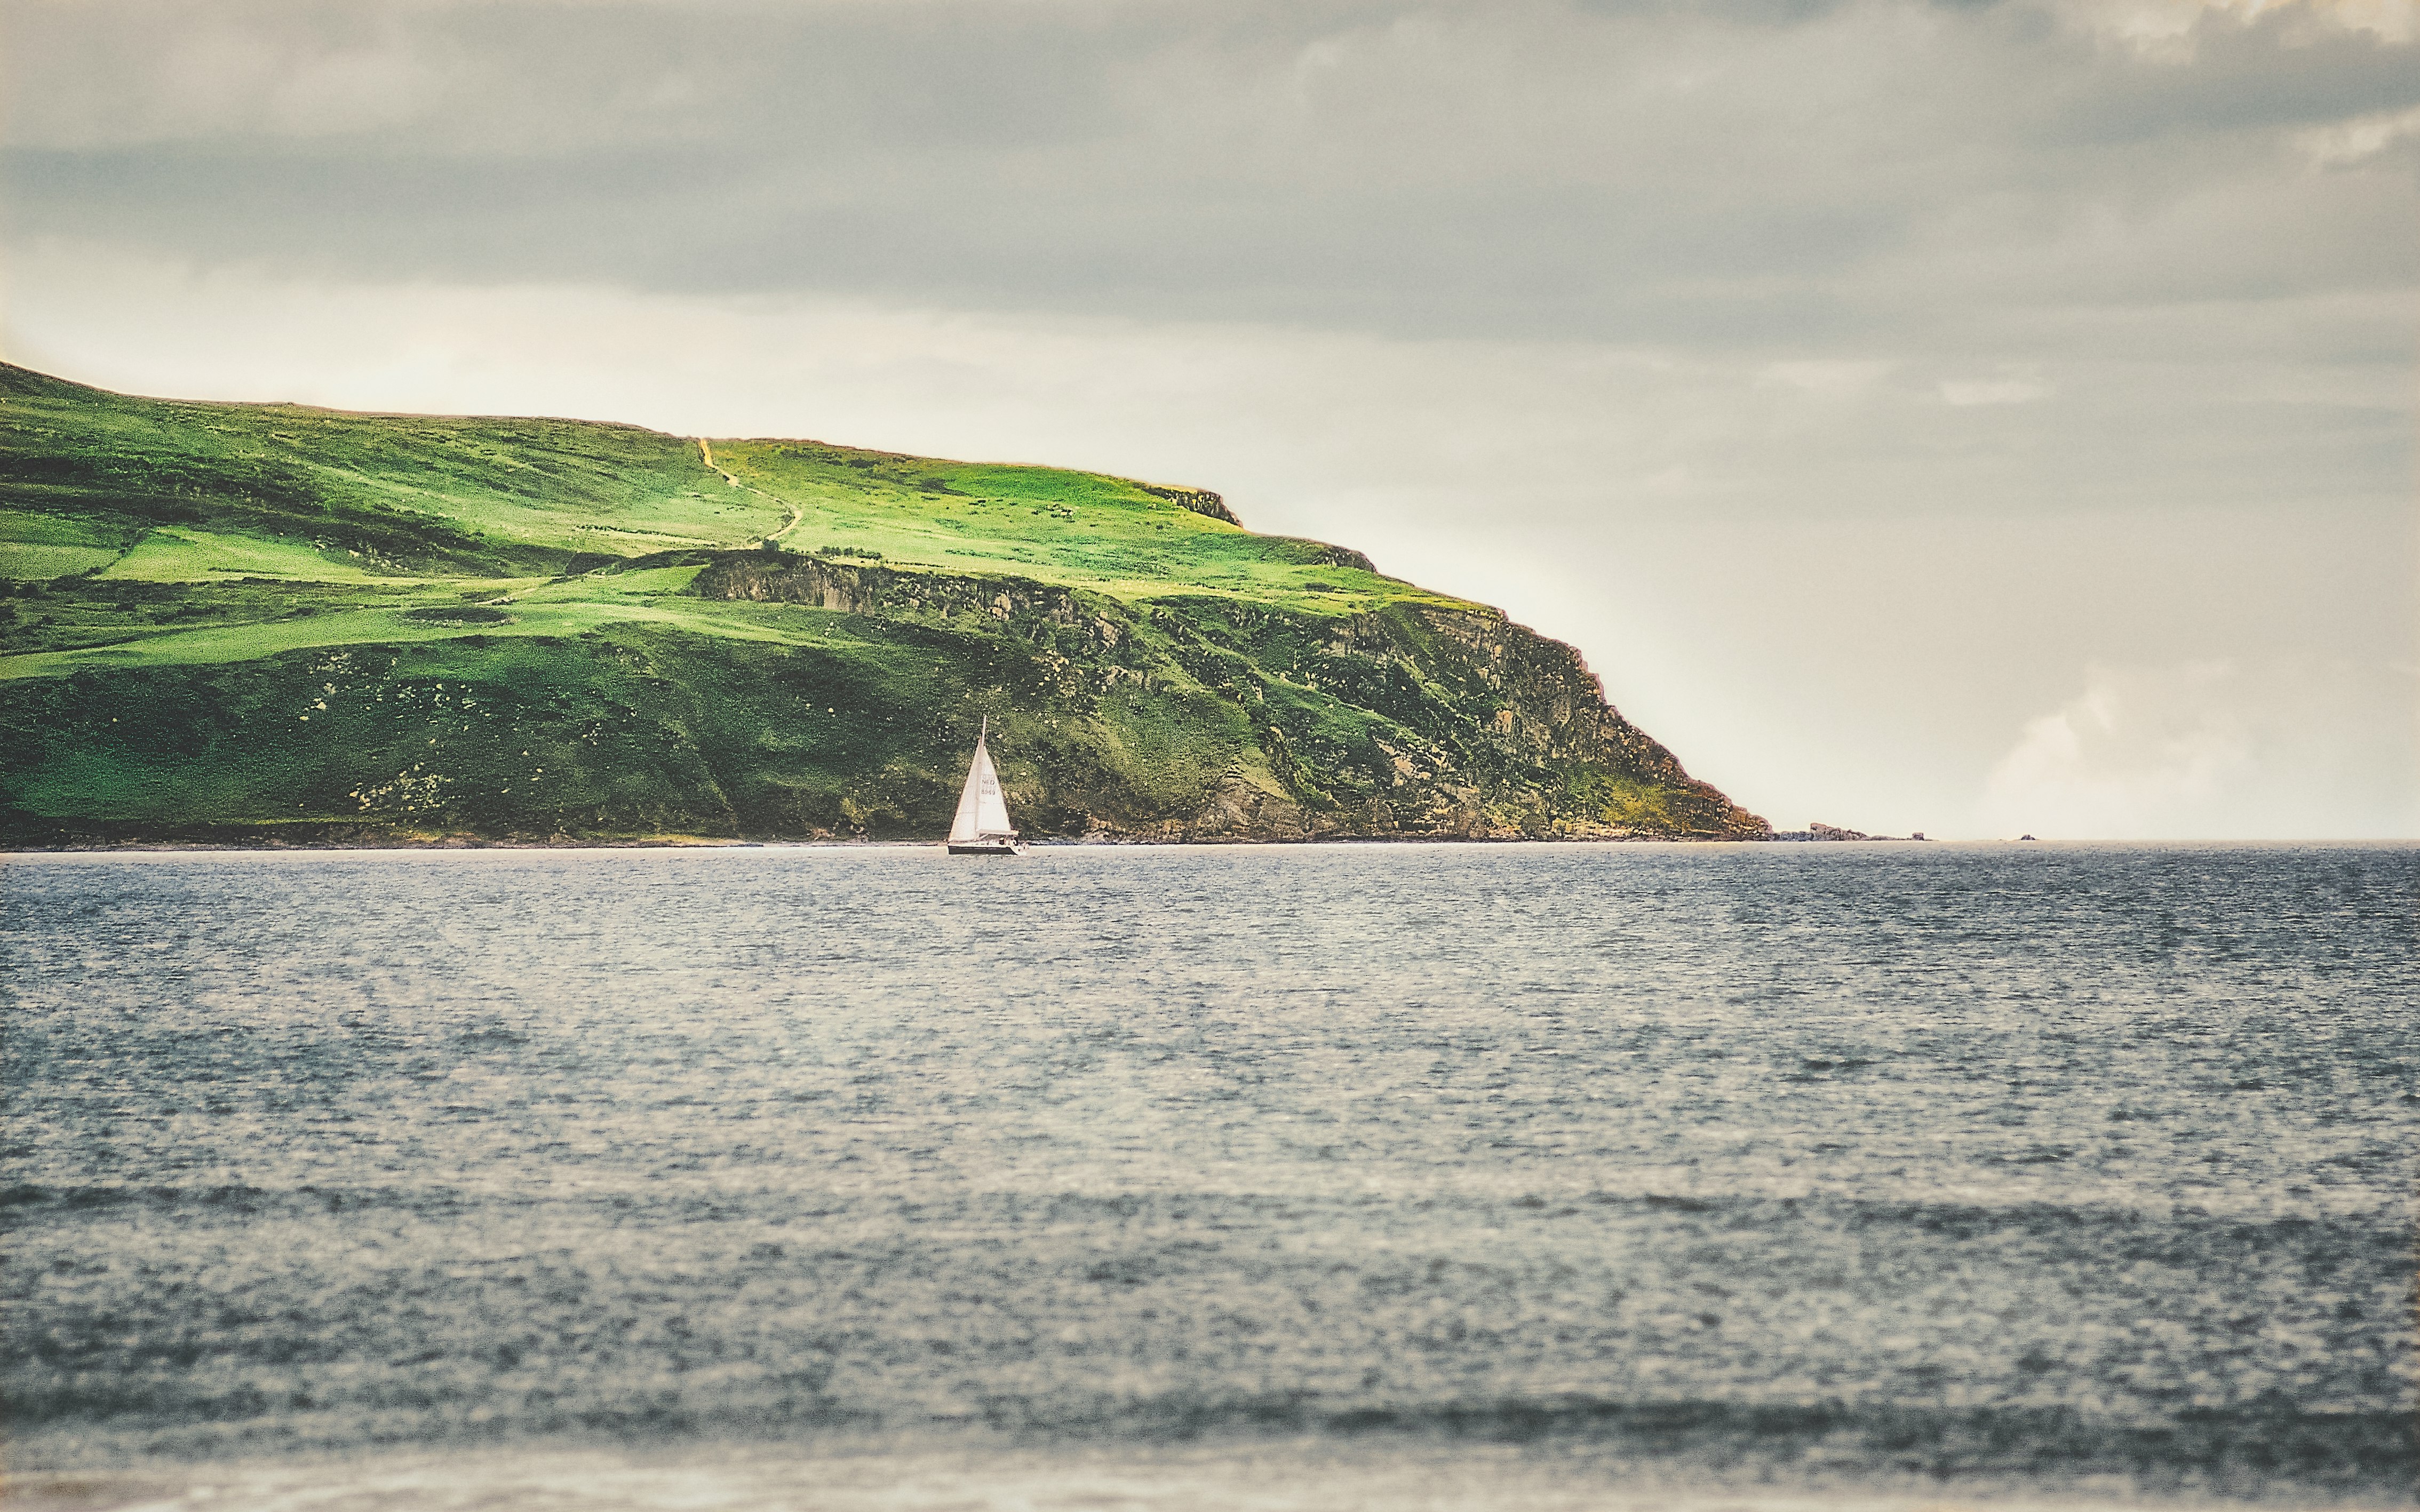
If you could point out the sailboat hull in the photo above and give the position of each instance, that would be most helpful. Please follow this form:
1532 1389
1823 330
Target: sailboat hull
987 847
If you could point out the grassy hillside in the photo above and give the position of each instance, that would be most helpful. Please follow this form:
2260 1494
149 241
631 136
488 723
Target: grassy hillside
256 622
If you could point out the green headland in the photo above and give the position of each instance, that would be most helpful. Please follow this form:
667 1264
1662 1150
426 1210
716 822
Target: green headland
268 623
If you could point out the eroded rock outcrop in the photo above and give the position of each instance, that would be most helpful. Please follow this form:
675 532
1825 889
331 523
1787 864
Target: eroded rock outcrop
1417 721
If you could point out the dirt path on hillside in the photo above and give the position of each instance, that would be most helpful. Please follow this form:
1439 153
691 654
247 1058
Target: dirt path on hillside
706 453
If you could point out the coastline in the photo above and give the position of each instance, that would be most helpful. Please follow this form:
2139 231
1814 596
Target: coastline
273 845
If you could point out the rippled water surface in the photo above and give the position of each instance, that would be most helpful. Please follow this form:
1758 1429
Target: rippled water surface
1300 1177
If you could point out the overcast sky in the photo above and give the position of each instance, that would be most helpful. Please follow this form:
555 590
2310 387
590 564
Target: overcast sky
1966 417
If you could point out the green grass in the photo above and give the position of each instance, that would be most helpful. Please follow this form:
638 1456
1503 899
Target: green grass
175 553
168 492
1078 528
396 495
219 645
35 544
235 621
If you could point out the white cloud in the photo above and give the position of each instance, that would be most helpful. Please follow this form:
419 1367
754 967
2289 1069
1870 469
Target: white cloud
2126 754
1827 379
2218 749
1966 391
2166 26
2360 139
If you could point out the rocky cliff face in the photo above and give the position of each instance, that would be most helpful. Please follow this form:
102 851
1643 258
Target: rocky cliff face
848 587
1199 501
1413 721
1527 712
1200 718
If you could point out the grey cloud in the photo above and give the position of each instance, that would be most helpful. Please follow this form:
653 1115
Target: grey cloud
2239 78
1779 177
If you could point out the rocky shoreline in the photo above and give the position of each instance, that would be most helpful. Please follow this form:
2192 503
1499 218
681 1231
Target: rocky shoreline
1817 830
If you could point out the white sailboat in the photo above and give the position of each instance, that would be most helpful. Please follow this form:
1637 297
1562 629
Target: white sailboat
982 827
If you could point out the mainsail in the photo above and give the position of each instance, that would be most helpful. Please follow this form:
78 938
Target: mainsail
983 814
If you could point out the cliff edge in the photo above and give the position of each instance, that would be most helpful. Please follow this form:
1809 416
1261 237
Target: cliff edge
253 624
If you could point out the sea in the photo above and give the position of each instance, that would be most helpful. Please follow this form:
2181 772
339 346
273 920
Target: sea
1490 1176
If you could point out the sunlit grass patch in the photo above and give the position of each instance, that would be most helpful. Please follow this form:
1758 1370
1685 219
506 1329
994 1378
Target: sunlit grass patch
32 561
219 645
1080 529
35 543
183 554
640 584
